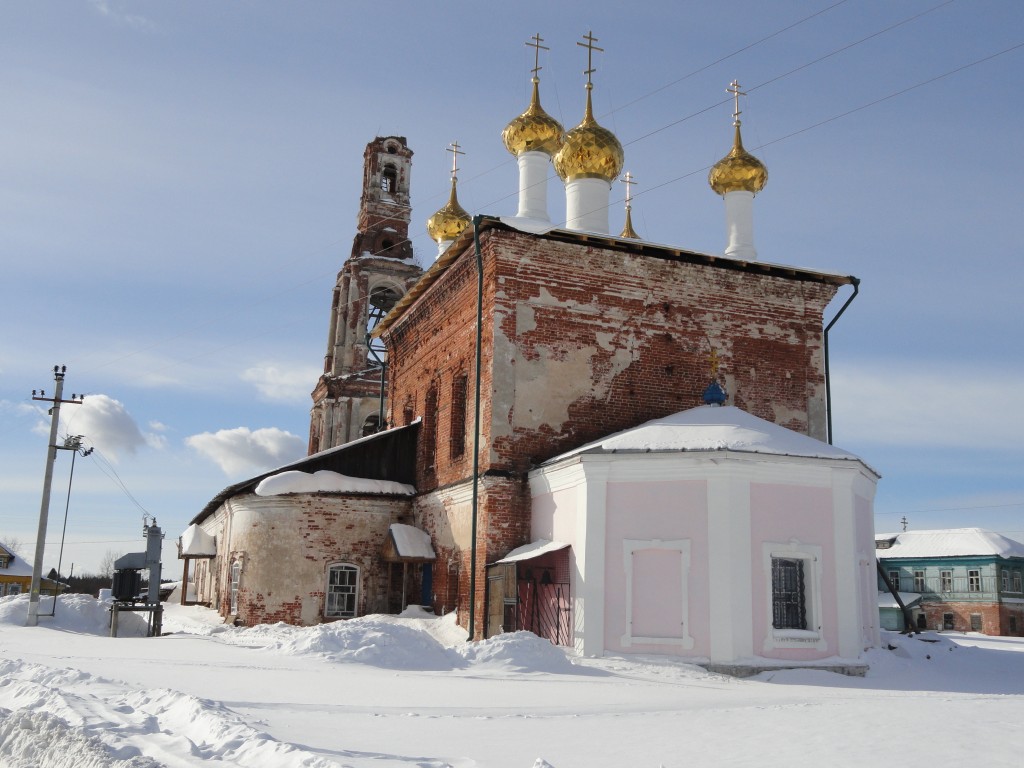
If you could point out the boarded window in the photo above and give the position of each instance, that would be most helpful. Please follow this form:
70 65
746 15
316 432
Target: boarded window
788 599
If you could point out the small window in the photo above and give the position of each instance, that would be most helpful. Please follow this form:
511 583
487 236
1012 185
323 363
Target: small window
974 581
948 621
919 581
371 425
789 609
946 581
975 622
236 576
894 578
342 590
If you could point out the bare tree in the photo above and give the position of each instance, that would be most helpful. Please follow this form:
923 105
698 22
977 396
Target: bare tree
107 563
13 544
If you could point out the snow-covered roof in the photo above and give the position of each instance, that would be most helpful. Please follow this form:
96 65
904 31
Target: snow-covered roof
948 542
411 542
195 542
712 428
17 566
326 481
532 550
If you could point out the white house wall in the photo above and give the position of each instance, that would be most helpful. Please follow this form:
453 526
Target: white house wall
713 522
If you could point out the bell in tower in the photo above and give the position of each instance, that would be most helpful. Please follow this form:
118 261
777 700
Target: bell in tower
348 398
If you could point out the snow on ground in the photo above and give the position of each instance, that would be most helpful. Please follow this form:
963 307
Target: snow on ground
407 691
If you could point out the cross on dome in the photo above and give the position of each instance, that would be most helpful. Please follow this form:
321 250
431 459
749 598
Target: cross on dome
536 45
589 45
734 89
454 149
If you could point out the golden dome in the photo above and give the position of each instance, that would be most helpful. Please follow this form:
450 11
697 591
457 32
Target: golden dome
448 223
589 151
739 171
534 130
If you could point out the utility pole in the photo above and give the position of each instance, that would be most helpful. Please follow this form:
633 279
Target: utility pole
44 507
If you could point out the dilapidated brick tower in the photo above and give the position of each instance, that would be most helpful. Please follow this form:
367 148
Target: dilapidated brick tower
380 269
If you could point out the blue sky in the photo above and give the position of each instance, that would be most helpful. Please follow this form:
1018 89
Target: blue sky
179 184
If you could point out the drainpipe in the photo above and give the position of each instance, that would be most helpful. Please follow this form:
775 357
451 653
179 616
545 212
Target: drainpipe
855 282
476 421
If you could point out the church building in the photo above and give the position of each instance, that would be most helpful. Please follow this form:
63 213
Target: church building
617 444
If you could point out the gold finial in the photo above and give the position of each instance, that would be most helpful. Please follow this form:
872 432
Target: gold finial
734 89
454 149
536 45
627 228
713 359
589 45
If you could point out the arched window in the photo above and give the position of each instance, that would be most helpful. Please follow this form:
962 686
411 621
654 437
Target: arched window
370 425
382 299
389 180
236 577
342 591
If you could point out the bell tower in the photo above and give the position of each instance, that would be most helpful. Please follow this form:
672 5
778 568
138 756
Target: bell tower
379 271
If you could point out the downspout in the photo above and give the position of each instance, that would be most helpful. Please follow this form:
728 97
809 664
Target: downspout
855 282
476 421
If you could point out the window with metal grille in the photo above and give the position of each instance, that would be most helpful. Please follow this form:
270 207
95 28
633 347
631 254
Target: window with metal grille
789 609
236 577
974 581
342 590
946 581
919 581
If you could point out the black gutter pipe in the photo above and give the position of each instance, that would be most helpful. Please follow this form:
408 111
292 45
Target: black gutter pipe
476 422
855 282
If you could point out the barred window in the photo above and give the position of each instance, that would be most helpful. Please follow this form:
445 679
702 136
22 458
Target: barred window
342 590
789 610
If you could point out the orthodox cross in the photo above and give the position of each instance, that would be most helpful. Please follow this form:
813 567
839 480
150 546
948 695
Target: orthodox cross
454 149
713 359
536 45
629 182
589 45
734 89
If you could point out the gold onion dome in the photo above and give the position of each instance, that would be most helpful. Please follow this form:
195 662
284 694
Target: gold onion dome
449 221
589 151
739 171
534 130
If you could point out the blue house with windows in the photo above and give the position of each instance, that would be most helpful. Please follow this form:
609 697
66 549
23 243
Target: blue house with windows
962 579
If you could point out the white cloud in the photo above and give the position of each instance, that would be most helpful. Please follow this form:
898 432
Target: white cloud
106 424
114 10
901 403
290 384
241 450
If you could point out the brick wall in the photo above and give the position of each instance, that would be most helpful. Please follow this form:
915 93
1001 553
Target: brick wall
581 340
